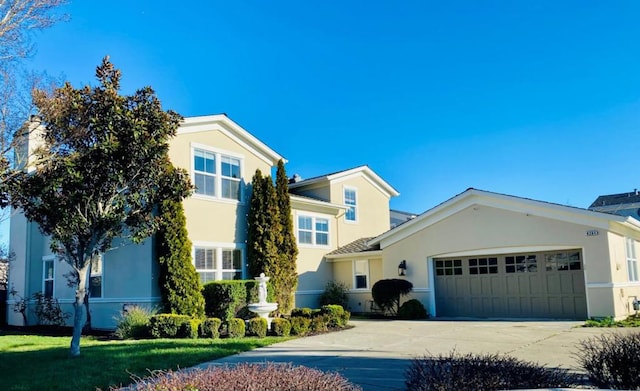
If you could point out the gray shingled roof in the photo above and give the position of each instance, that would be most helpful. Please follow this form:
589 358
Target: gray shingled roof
357 246
616 199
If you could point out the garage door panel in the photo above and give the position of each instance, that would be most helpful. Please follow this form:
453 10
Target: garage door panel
520 285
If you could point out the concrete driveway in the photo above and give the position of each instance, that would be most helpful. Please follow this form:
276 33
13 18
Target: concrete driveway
375 353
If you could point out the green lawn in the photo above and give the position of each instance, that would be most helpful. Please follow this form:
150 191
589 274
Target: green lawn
29 362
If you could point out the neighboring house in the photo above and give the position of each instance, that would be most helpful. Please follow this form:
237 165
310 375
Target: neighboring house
623 204
479 254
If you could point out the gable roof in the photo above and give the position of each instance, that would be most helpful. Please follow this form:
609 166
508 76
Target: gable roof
616 199
364 171
474 197
231 129
357 247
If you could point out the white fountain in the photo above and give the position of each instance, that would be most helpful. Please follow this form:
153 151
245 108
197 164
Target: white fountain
263 308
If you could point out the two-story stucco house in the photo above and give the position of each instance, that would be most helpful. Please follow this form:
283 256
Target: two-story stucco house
478 254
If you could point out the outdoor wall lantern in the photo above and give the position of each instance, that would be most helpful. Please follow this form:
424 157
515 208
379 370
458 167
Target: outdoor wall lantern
402 268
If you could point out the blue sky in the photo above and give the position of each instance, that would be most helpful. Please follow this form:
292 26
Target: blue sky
538 99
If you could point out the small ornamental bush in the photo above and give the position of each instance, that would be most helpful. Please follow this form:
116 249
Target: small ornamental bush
302 312
337 316
612 360
280 327
257 327
335 292
189 329
210 328
300 325
134 323
319 324
412 309
223 299
387 293
264 377
236 328
169 325
482 372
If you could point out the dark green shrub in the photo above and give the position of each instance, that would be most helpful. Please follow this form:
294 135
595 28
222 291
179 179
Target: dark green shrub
257 327
412 309
319 323
263 376
223 299
134 323
189 329
482 372
387 293
335 292
210 328
168 325
302 312
612 360
300 325
236 328
281 327
336 315
179 283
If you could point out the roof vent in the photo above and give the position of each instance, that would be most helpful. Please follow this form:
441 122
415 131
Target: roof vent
295 179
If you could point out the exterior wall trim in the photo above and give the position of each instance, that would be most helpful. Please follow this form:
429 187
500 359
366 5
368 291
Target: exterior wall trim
310 292
609 285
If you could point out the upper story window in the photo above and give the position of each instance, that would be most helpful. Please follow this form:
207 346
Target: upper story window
350 199
217 175
632 261
313 230
215 263
48 277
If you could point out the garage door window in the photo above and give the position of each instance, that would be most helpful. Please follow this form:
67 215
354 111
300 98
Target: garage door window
563 261
449 267
521 264
483 266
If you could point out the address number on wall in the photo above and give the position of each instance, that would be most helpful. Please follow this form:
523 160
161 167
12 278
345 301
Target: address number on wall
592 232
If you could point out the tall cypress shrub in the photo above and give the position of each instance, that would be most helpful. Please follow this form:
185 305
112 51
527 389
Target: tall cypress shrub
263 227
285 279
179 283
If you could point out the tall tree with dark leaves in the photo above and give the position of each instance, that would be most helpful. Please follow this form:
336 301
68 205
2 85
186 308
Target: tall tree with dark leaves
98 174
286 275
263 226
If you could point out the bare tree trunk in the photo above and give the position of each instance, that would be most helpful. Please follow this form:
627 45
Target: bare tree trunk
78 317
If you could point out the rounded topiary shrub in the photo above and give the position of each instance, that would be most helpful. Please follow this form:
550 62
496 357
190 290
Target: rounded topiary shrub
257 327
612 360
300 325
280 327
210 328
412 309
169 326
387 293
456 371
236 328
266 377
301 312
336 315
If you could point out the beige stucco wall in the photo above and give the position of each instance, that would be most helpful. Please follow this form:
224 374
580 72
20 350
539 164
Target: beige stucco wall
359 299
216 220
487 230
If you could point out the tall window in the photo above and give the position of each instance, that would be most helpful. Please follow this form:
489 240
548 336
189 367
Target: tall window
217 175
632 261
350 199
48 277
361 274
204 166
218 264
313 230
95 281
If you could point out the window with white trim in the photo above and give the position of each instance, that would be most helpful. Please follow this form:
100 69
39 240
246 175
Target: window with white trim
215 263
95 280
361 274
313 230
350 199
632 260
48 277
217 175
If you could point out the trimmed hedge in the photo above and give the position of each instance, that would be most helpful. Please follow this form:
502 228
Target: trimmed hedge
236 328
412 309
210 328
280 327
171 326
337 316
257 327
300 325
229 298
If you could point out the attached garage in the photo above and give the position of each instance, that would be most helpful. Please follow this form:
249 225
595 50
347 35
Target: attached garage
526 285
